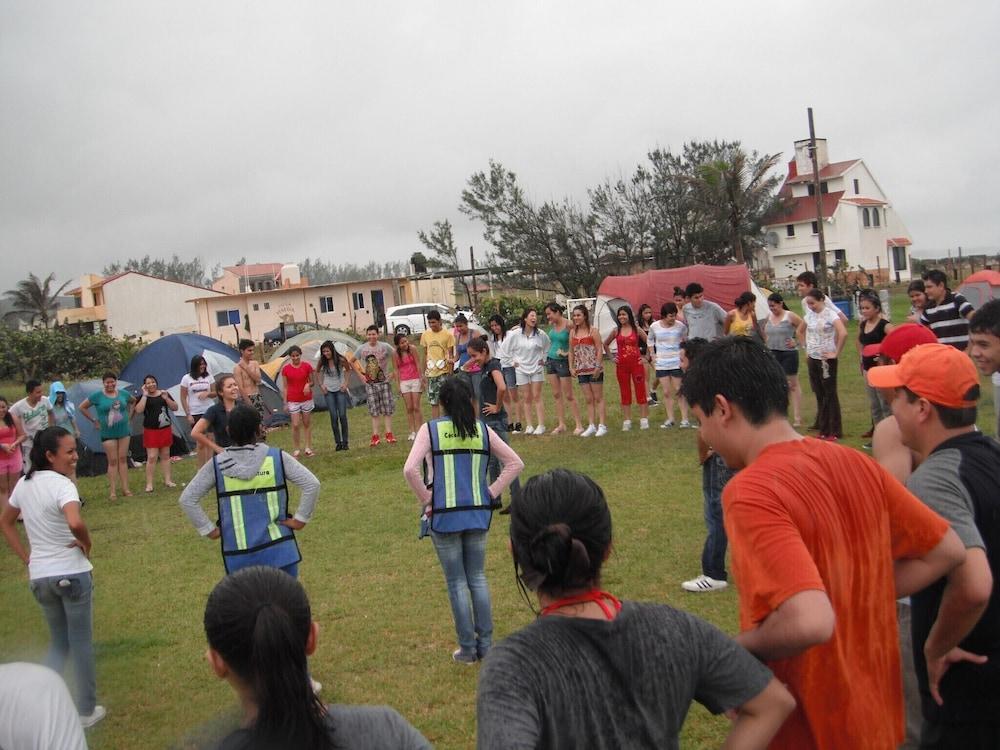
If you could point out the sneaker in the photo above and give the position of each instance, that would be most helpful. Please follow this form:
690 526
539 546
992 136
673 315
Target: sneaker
390 438
517 428
685 425
375 441
463 658
510 427
93 717
602 430
540 430
529 430
340 447
317 687
589 431
411 437
866 446
643 424
667 425
703 583
626 425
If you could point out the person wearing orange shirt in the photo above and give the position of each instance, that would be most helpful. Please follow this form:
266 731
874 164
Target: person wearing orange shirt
823 540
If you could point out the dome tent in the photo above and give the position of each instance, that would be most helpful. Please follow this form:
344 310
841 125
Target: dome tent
980 287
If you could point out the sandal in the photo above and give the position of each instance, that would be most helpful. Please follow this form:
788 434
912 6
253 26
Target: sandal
296 453
310 452
558 430
171 485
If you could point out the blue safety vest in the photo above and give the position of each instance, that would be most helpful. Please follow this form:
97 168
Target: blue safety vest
460 496
250 512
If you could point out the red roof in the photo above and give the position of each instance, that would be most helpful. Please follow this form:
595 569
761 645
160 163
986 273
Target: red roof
256 269
898 242
835 169
865 202
804 209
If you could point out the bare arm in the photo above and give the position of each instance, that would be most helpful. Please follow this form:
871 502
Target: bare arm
598 344
200 435
760 718
727 323
140 405
804 620
501 390
83 409
171 404
800 333
7 521
609 338
917 573
841 329
77 527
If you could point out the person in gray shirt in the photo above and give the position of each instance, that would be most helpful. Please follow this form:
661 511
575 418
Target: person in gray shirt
704 319
596 672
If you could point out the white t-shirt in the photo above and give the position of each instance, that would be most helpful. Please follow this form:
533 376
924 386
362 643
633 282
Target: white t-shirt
41 500
821 335
527 353
36 710
666 340
195 405
34 419
829 304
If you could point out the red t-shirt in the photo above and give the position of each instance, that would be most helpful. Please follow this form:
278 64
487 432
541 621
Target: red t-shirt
295 381
808 515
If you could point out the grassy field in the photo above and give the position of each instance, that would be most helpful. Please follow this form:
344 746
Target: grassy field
377 592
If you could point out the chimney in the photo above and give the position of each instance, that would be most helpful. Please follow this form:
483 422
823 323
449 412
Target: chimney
803 162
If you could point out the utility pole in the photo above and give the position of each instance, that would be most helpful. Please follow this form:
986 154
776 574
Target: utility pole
821 269
472 265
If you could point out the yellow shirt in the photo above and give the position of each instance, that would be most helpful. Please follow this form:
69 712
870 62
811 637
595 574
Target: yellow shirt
437 348
740 326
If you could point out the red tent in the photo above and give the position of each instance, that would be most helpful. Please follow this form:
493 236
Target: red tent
723 284
981 287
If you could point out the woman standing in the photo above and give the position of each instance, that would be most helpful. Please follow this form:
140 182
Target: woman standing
63 410
742 319
918 300
331 378
58 568
823 334
497 341
628 367
197 392
155 406
779 336
527 348
872 330
11 461
644 321
665 337
557 367
459 504
212 429
589 670
113 407
586 363
408 381
298 377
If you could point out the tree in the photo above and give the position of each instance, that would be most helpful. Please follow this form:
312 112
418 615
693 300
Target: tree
419 262
36 299
174 269
319 271
441 243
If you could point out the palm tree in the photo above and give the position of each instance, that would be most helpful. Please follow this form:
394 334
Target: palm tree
33 297
736 189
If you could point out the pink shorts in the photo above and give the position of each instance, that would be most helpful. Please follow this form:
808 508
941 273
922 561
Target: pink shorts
11 463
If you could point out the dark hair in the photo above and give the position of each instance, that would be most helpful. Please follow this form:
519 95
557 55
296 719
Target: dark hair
746 298
816 294
986 319
395 342
218 384
372 327
693 288
679 291
456 400
45 442
196 362
8 418
668 308
32 385
294 349
917 285
243 425
560 532
524 317
258 620
952 418
631 317
742 371
808 277
776 297
245 344
434 315
586 315
109 376
498 319
150 376
693 348
870 295
555 307
478 344
324 363
639 319
936 276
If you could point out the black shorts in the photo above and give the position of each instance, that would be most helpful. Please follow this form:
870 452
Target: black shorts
558 367
789 360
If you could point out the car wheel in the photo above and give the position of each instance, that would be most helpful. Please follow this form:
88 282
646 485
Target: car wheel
403 329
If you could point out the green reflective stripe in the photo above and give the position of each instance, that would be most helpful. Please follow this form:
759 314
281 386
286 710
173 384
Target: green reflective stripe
273 508
239 528
477 494
265 478
450 496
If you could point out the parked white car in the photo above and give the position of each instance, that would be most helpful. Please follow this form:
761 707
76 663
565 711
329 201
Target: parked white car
412 318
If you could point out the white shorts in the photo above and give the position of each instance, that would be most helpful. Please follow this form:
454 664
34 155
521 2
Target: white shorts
411 386
300 407
523 378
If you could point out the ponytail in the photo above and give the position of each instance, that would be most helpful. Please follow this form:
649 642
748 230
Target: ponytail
45 442
456 399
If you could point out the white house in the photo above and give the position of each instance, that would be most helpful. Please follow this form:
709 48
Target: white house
862 231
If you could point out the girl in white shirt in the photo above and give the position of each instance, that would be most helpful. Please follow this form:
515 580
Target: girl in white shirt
527 347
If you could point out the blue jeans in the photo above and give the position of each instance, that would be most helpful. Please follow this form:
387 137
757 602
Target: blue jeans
68 609
336 404
498 423
714 475
463 559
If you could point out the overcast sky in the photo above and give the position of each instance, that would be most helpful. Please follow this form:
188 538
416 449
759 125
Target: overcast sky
282 130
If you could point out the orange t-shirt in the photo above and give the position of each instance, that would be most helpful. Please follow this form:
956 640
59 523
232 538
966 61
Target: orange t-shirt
808 515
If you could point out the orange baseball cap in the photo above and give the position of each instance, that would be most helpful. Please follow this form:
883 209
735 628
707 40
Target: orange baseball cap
938 372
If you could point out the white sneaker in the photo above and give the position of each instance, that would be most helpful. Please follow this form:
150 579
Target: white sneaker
589 431
529 430
685 424
602 430
317 687
88 721
626 425
411 437
643 424
667 425
703 583
540 430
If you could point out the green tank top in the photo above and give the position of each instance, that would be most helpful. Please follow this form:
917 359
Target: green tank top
559 343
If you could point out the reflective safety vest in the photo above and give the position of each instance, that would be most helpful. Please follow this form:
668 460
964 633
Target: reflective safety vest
250 511
460 496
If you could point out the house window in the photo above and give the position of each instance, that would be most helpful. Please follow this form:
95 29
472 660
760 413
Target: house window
857 188
824 188
790 230
866 217
840 256
326 304
815 227
899 258
811 188
876 221
358 299
227 317
267 305
256 307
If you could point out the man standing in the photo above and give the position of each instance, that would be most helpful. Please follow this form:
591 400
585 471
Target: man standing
704 318
371 362
35 413
248 377
984 347
947 313
823 539
807 281
956 621
439 354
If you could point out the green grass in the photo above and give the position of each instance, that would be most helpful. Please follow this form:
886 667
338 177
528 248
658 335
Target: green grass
377 592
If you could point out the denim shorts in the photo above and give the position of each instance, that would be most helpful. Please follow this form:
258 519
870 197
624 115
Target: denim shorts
595 377
509 377
558 367
670 373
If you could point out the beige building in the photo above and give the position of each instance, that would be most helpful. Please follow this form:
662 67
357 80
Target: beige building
133 304
259 277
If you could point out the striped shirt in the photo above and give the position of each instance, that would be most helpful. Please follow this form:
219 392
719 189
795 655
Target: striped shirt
948 320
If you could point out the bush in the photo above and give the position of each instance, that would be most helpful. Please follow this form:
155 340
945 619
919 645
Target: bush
508 306
55 355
